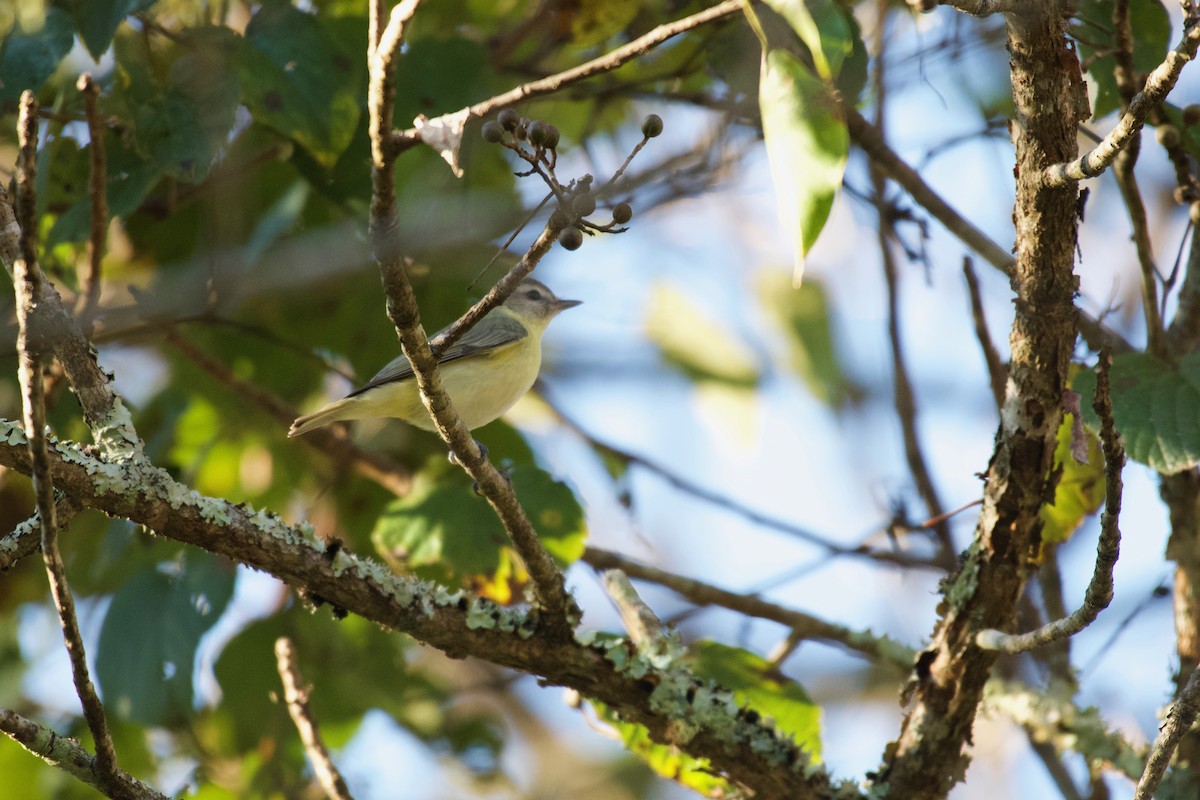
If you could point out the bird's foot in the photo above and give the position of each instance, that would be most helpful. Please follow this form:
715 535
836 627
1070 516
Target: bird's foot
482 451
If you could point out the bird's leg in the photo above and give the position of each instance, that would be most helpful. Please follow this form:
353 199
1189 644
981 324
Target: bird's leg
482 451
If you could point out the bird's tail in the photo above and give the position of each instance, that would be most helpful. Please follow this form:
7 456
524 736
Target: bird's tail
333 412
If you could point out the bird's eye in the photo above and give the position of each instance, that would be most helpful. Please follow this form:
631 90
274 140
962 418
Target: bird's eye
534 294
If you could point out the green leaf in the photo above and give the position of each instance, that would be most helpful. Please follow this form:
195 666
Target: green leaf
29 56
823 27
756 683
802 315
695 343
1080 491
180 123
97 20
149 637
1156 408
1092 28
443 531
807 145
694 773
297 78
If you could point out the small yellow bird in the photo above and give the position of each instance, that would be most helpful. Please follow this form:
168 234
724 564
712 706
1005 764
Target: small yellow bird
485 372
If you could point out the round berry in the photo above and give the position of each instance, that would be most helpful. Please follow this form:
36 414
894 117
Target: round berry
492 132
508 119
571 238
652 126
622 213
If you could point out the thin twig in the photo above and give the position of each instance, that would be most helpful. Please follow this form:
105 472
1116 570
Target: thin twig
402 309
30 345
644 627
1159 84
997 372
66 754
295 695
606 63
1179 721
89 285
729 503
26 538
332 441
871 142
976 8
877 648
905 397
1100 589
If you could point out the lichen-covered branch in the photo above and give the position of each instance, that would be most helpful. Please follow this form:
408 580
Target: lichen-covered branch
676 707
66 754
27 278
1179 721
878 648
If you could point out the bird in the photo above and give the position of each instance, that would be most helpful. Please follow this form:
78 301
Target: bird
485 372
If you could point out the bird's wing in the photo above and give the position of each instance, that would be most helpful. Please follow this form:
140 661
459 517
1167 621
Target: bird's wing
500 331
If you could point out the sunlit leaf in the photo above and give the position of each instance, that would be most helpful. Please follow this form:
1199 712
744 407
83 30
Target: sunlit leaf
1080 491
443 531
823 27
148 641
1156 408
759 685
695 343
807 145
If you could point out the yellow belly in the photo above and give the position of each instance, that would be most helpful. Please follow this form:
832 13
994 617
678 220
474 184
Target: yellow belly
481 388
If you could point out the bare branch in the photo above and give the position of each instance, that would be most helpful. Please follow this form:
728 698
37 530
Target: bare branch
878 648
66 754
1100 589
25 280
404 314
997 372
295 695
1159 84
89 288
1179 721
606 63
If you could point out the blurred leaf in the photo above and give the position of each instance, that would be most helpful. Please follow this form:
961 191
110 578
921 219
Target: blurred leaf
29 57
444 532
298 79
594 21
807 145
1092 28
180 122
148 640
802 314
696 344
1081 489
756 683
97 20
823 27
666 760
1156 408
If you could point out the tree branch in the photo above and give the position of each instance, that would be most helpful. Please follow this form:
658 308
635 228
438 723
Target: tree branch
67 755
295 695
89 285
1100 589
1179 721
606 63
675 706
997 372
806 626
1159 84
26 279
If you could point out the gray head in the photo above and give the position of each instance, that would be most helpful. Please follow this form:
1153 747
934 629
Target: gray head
535 303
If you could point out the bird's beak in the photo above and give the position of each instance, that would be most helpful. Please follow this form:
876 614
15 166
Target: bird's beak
563 305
